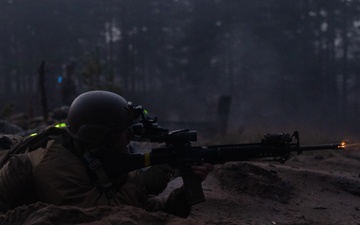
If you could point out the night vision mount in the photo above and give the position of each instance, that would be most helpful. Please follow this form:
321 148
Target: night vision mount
148 128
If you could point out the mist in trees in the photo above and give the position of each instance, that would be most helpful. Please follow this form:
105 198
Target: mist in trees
286 64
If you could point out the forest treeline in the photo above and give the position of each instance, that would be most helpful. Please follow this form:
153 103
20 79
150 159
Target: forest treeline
279 60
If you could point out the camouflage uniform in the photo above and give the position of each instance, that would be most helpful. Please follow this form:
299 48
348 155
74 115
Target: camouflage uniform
55 175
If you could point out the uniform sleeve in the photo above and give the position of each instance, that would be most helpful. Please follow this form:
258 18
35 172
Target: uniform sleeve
156 178
141 190
16 186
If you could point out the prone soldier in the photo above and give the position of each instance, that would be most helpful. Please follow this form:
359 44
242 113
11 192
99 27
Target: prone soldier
68 169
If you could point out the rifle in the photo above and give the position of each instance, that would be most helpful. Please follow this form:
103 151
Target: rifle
179 153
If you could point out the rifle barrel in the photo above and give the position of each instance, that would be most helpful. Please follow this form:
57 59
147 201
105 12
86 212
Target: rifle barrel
211 154
322 147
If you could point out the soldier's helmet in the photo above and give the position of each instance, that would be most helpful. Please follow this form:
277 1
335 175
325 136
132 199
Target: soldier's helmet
94 115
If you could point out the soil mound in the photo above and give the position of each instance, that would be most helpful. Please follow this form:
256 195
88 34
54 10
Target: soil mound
255 180
44 214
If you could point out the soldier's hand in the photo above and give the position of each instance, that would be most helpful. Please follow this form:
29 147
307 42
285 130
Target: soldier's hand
203 170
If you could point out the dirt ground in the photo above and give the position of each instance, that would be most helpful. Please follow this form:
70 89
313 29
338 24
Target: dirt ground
313 188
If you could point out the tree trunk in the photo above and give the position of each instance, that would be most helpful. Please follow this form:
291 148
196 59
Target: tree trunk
345 71
44 104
